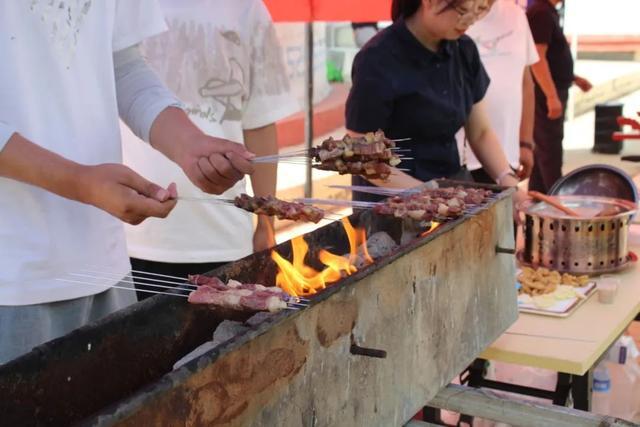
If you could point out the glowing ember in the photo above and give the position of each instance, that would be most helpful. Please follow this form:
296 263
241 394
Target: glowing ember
298 279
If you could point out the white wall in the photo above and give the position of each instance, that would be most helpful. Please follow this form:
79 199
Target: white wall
598 17
292 40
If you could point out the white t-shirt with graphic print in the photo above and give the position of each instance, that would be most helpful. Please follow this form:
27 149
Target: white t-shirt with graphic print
223 60
57 88
506 47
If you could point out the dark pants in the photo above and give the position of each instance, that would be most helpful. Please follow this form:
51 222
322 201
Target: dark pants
548 135
165 268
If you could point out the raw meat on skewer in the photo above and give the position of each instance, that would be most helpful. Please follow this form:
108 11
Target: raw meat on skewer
237 299
237 296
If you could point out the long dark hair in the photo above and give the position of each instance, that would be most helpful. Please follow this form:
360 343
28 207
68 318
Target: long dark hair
406 8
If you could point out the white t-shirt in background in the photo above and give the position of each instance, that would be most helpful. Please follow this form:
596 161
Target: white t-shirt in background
506 47
223 60
57 88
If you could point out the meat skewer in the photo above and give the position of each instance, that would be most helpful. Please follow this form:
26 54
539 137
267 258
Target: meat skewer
371 155
272 206
237 299
305 152
425 204
237 296
433 203
209 290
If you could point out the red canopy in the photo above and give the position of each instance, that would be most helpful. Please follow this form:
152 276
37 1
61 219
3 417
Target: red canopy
329 10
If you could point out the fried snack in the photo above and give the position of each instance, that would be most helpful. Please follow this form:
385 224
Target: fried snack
543 281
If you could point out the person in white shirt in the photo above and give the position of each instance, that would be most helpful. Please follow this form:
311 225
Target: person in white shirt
68 70
507 50
224 61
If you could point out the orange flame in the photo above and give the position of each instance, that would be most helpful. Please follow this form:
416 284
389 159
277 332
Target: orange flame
298 279
434 225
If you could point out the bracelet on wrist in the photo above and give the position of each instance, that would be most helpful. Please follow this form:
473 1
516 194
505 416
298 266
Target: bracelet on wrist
528 145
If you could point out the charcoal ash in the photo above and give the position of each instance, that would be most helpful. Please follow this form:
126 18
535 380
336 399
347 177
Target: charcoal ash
225 331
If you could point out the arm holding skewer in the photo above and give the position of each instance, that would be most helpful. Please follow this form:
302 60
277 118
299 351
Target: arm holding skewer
263 142
486 146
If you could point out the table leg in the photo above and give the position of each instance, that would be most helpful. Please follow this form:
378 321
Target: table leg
563 387
581 387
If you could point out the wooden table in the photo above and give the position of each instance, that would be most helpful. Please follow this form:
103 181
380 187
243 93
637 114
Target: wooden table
572 345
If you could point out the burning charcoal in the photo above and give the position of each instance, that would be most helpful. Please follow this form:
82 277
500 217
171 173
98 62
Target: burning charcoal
359 261
380 244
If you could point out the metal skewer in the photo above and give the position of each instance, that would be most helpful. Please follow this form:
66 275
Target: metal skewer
303 160
229 202
119 287
306 151
372 190
343 203
109 275
207 199
158 284
290 305
182 282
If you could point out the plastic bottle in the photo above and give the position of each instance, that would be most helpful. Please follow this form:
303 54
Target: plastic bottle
601 397
625 375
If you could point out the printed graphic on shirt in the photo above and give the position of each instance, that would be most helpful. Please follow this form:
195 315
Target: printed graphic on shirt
213 71
493 46
63 19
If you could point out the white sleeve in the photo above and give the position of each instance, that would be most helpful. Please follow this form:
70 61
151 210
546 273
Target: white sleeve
532 53
270 97
141 95
135 21
6 132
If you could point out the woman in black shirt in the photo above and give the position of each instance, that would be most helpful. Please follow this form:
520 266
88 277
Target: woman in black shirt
421 78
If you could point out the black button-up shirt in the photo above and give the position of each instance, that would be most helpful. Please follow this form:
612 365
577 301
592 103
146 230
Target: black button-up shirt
409 91
545 28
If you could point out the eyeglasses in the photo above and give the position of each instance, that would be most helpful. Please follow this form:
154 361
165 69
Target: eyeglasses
468 17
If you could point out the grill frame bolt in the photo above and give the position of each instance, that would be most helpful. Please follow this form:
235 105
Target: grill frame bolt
501 250
369 352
